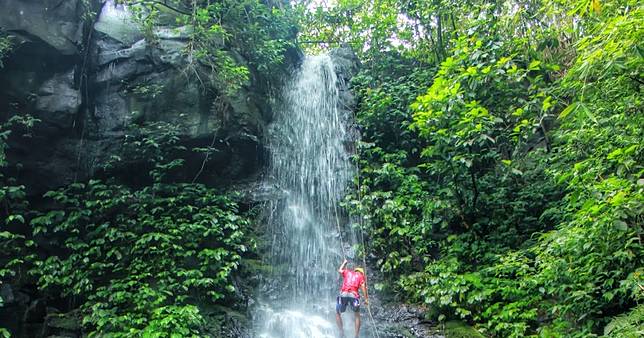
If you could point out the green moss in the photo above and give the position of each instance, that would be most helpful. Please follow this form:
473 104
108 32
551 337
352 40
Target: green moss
456 329
5 46
68 321
226 312
405 332
218 317
256 266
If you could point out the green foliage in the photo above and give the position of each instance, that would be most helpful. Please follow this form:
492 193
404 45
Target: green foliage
629 325
417 29
481 110
17 250
509 193
393 198
500 292
226 38
137 259
174 321
384 105
591 259
12 199
147 90
5 46
500 173
454 329
154 147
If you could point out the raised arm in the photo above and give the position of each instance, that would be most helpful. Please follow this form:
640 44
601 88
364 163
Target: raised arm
341 268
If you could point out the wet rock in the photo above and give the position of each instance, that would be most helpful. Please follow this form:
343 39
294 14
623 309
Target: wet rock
64 321
223 321
35 312
346 62
115 21
87 101
403 320
52 22
397 320
257 192
58 101
40 79
137 81
63 324
109 52
6 293
234 329
347 66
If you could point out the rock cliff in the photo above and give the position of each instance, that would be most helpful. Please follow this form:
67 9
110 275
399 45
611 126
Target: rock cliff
87 71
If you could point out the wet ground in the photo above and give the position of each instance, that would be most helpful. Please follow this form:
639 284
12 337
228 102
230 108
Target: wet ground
398 321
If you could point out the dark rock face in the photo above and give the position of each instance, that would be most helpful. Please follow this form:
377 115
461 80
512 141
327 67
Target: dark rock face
346 63
63 324
88 81
347 66
35 312
53 23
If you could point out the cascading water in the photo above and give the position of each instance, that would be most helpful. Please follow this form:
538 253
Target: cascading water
310 162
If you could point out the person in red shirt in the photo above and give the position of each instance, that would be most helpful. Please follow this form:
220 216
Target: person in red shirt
351 282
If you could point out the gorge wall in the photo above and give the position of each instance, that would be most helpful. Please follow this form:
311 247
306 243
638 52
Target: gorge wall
88 73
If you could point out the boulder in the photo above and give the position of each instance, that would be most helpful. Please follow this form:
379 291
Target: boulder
116 21
56 23
63 324
346 62
347 66
57 101
6 294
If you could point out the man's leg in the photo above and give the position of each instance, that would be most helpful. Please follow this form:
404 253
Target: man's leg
338 319
357 314
339 308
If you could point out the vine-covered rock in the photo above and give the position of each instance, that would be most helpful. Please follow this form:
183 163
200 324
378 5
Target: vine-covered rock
101 70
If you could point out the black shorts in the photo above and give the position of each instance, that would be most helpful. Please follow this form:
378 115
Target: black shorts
342 302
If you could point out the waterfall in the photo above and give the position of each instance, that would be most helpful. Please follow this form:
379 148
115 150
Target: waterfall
310 162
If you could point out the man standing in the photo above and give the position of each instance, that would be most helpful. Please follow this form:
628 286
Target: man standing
351 282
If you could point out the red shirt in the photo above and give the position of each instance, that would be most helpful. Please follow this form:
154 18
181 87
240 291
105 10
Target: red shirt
351 282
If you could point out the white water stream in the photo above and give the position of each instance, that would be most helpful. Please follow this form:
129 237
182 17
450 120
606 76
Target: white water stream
310 161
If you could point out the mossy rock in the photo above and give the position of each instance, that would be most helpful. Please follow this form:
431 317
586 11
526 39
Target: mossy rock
66 321
395 330
215 310
456 329
218 318
256 266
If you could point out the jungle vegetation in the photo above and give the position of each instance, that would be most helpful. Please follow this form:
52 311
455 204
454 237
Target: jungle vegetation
500 181
501 158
